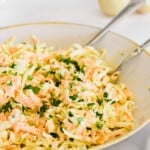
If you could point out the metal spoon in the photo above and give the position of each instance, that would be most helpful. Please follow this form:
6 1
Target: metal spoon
131 7
135 52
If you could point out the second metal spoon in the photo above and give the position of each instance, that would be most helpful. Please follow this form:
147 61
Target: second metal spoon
131 7
134 53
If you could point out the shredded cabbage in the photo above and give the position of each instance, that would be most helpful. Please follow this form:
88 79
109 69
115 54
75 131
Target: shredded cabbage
59 99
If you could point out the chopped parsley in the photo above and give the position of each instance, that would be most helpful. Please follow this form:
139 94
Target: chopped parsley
70 114
14 73
73 97
99 125
49 117
4 72
43 109
105 95
57 83
71 139
73 62
51 72
54 135
30 77
78 79
70 121
35 89
81 100
75 77
13 65
113 102
24 108
108 100
90 105
88 128
55 102
58 76
82 70
99 101
6 107
99 115
71 85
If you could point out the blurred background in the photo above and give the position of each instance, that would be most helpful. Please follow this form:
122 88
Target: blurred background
136 27
91 12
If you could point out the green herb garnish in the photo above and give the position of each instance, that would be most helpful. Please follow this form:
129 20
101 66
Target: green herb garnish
81 100
35 89
73 97
55 102
99 101
49 117
54 135
14 73
13 65
108 100
99 115
90 105
4 72
71 139
105 95
75 77
24 108
99 125
58 76
113 101
30 77
70 114
88 128
51 72
73 62
43 109
6 107
57 83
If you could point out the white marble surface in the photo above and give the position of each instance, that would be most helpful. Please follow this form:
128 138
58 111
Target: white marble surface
135 27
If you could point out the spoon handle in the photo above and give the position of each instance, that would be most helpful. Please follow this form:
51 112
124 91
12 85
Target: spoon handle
136 52
145 44
131 7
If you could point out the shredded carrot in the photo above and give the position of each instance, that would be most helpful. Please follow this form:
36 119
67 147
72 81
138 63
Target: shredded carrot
59 99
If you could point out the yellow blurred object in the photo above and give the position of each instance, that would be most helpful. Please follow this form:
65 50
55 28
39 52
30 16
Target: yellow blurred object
112 7
145 8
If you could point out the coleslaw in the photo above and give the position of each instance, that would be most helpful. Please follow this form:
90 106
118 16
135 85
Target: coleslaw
59 99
